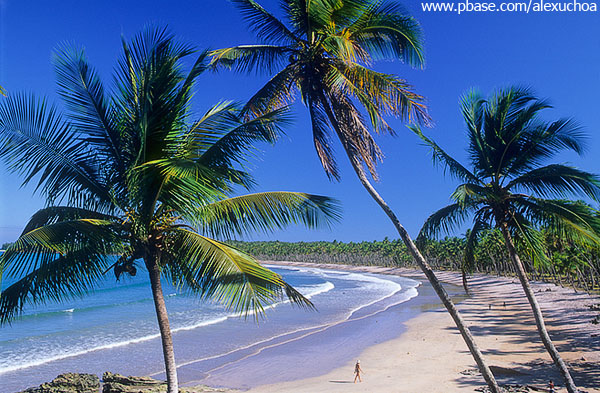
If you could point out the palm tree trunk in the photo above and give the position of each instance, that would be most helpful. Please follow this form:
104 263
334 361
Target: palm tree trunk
463 273
437 286
537 312
416 254
163 324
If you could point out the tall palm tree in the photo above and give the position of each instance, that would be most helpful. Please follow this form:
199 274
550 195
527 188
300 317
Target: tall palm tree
511 188
132 179
324 53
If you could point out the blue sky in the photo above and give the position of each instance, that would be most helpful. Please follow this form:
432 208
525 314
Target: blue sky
557 54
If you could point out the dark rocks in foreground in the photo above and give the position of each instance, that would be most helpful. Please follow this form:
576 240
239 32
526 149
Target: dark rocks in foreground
111 383
69 383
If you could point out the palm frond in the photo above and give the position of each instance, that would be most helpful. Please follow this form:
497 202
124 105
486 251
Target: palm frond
440 156
84 97
183 184
381 94
386 31
321 138
56 278
354 134
473 110
265 212
54 214
36 141
59 238
276 93
246 58
150 102
575 222
232 146
542 140
221 272
263 23
444 221
296 13
524 232
557 180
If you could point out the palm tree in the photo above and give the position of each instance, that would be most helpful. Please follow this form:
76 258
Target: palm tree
509 188
324 55
131 177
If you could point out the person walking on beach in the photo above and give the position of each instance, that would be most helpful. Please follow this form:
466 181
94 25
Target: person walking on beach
357 371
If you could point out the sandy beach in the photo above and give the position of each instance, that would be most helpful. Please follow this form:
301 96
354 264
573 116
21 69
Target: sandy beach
430 356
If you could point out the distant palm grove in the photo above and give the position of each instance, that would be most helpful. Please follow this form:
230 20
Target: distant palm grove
570 265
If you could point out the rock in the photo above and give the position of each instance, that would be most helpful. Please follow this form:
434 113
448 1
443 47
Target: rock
497 370
69 383
112 383
117 383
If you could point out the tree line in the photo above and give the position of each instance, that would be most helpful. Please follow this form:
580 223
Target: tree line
569 264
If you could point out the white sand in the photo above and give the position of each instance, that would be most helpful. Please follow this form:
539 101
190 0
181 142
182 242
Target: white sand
432 357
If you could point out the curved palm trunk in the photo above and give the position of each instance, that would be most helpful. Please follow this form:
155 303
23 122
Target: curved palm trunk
537 312
416 254
437 286
163 324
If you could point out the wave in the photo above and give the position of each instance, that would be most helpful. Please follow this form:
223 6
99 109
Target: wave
118 344
389 287
319 289
45 314
307 331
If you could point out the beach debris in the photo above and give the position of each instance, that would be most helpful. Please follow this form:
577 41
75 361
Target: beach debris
471 371
69 383
514 388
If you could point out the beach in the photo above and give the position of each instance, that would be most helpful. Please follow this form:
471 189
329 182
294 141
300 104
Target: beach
430 356
114 329
389 318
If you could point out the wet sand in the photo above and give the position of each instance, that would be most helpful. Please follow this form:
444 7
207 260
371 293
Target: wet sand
430 356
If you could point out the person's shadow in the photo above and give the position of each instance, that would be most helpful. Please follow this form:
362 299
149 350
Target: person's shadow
340 381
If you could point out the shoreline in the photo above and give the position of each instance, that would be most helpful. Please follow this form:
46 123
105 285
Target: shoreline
355 311
413 346
500 319
321 348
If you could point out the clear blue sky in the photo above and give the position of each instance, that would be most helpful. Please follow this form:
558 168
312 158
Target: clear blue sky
557 54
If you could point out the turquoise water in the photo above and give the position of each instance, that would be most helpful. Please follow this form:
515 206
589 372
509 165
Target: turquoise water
115 329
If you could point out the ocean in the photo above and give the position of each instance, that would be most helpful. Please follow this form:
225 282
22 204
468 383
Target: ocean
114 329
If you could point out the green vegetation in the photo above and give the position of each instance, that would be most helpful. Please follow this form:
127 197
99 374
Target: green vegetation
5 245
510 187
570 265
140 179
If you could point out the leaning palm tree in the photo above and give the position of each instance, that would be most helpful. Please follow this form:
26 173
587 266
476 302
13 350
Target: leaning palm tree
511 189
132 179
324 53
